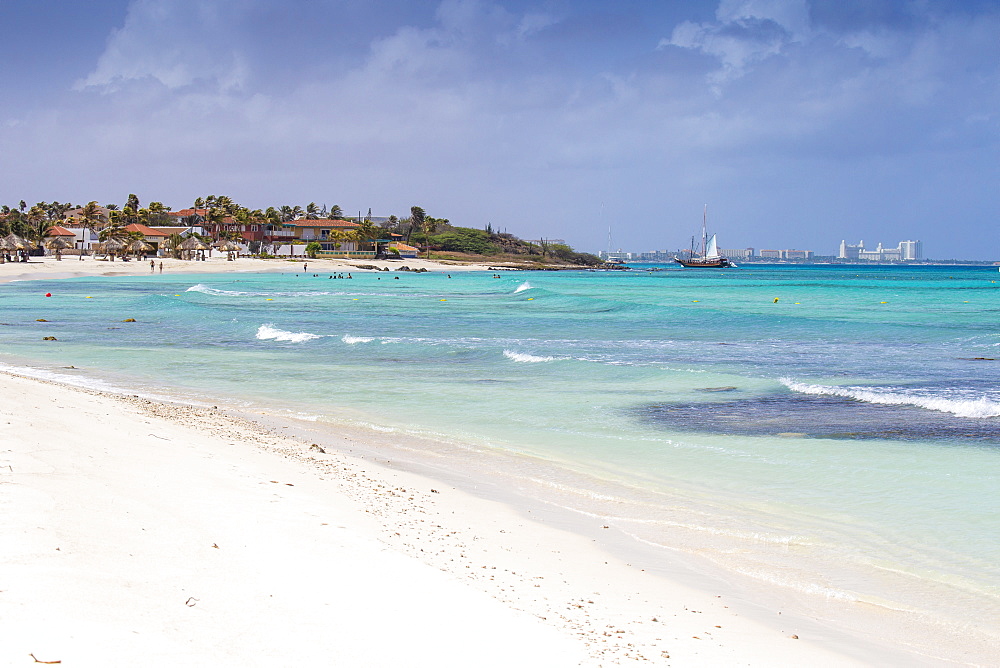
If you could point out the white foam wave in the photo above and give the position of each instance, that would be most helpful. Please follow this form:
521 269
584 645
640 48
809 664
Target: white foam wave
971 408
265 332
356 339
204 289
524 286
525 358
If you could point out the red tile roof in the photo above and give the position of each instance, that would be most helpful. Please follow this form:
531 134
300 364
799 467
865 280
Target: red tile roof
59 231
184 213
320 222
146 231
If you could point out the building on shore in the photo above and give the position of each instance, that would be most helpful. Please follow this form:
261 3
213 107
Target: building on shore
618 256
737 253
659 255
911 250
786 254
906 251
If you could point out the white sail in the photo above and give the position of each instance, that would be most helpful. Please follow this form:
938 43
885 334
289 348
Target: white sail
712 249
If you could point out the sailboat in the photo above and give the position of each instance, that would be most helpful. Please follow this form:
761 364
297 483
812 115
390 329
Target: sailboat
709 258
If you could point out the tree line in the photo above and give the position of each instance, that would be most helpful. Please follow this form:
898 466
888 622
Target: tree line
214 212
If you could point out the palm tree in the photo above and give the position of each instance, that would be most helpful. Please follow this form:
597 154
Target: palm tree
216 216
173 244
90 216
430 227
38 224
312 211
114 237
336 212
338 237
157 213
367 232
417 216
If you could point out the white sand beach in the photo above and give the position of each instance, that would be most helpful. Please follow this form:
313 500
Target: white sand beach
73 266
138 532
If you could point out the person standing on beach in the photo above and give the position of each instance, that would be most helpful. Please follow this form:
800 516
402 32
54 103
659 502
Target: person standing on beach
152 266
305 267
161 267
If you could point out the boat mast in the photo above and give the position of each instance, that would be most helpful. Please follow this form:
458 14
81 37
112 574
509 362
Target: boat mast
704 232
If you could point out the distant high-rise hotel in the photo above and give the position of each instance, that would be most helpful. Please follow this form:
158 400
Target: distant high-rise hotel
911 250
786 254
906 250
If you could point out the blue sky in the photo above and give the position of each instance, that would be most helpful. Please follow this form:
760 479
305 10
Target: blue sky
800 123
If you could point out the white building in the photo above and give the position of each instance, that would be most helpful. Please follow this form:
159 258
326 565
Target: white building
906 250
737 253
850 251
911 250
787 254
880 254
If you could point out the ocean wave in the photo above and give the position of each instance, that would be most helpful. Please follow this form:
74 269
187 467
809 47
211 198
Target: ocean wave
356 339
971 408
269 331
524 286
525 358
204 289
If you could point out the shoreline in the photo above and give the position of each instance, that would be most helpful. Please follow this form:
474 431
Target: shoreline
49 268
488 539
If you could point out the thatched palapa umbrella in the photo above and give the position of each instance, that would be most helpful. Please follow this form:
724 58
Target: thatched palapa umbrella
57 244
138 246
191 244
110 247
227 246
12 242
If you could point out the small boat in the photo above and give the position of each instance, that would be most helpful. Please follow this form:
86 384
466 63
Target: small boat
709 257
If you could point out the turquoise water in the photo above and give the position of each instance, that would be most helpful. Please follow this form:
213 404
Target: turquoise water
827 429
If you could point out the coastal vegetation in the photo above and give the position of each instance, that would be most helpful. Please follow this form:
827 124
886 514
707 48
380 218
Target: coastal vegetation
222 219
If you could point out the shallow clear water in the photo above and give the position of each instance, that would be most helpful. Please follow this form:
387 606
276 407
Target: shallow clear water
834 430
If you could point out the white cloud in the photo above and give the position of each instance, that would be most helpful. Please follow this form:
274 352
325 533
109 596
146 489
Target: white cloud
175 43
791 15
745 32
